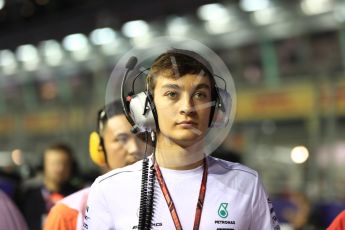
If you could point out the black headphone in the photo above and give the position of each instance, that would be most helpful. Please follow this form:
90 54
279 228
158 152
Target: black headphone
140 109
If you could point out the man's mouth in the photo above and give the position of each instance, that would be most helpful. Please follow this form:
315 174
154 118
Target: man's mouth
187 123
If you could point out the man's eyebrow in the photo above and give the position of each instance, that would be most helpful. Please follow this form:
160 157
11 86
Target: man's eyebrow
175 86
171 86
202 86
121 135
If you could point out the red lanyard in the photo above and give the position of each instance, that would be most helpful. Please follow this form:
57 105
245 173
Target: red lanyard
170 202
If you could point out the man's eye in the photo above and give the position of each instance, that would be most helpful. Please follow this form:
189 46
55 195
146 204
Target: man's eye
171 94
200 95
122 139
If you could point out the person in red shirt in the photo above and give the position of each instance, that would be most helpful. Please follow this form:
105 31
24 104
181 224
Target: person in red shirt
338 223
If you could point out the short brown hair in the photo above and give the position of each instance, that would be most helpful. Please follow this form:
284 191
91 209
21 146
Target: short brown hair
176 63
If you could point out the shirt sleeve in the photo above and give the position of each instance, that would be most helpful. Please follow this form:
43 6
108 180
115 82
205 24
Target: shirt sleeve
263 215
61 217
97 214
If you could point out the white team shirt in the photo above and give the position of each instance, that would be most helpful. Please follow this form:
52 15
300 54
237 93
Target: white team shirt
235 199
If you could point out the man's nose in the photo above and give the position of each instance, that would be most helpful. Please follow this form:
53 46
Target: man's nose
132 146
187 105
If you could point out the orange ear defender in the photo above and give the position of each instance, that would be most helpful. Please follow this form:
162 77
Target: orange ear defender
96 150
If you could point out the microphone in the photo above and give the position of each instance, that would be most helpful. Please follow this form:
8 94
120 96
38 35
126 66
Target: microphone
132 61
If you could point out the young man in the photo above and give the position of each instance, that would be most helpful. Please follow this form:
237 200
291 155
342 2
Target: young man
118 148
194 191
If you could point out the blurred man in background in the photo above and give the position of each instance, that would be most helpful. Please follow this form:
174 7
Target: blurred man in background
36 200
112 146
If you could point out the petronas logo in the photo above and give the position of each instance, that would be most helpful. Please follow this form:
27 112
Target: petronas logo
222 212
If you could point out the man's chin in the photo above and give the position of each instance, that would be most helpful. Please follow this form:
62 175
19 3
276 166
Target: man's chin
187 141
183 139
133 158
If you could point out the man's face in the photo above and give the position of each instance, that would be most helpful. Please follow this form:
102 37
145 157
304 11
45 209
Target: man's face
57 166
121 146
183 107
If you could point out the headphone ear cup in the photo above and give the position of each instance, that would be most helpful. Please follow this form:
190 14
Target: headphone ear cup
143 112
96 151
153 110
222 109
